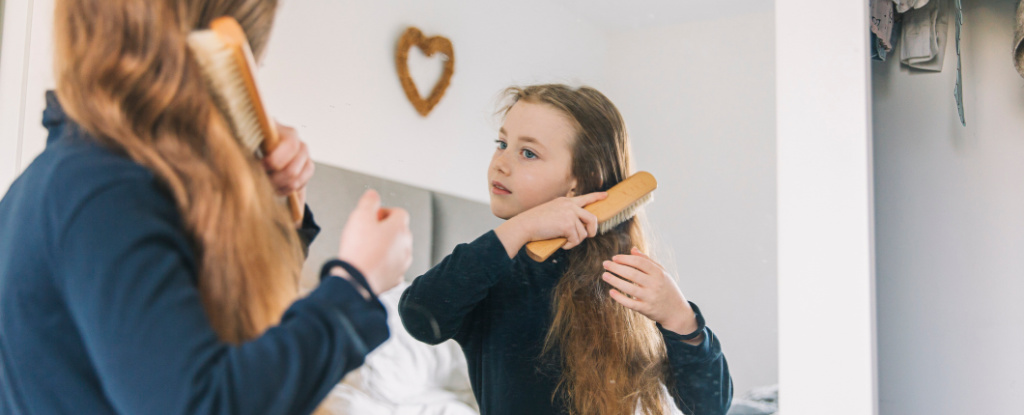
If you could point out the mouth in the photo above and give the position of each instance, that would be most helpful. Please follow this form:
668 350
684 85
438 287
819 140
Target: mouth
499 189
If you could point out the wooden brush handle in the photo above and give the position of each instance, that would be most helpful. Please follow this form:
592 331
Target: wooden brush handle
540 251
295 208
620 197
232 34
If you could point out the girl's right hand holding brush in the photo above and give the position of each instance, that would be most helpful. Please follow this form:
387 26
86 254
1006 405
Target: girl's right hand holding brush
563 217
377 242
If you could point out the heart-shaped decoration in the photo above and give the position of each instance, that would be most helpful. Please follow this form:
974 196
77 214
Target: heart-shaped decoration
429 46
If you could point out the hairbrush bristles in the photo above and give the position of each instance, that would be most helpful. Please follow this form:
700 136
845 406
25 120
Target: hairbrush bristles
625 215
220 69
622 203
227 65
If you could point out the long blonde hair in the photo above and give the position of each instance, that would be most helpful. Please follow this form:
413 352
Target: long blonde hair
613 358
124 74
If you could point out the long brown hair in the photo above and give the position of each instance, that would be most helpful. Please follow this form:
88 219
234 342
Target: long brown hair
124 74
613 358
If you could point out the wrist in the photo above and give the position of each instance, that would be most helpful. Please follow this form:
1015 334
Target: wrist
681 323
680 327
341 273
347 271
511 236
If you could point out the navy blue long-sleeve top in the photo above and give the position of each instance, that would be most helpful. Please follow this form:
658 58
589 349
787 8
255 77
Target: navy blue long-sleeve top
499 311
100 311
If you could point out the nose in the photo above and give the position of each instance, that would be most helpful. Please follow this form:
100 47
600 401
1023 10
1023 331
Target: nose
500 164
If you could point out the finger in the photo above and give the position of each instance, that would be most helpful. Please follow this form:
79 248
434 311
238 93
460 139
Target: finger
295 168
281 155
398 216
589 198
287 178
572 237
589 220
641 263
625 301
636 251
622 285
307 174
581 232
632 274
369 203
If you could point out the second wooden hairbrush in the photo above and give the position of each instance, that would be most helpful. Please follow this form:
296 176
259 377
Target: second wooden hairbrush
621 204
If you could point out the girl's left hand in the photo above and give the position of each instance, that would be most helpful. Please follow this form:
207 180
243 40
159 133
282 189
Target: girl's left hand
289 164
654 293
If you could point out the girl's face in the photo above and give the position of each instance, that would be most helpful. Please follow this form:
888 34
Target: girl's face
533 162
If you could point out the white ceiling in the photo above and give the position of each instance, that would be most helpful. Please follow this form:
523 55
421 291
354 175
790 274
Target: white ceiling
638 14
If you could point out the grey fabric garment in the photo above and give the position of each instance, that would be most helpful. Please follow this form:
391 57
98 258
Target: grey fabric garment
1018 40
925 30
903 5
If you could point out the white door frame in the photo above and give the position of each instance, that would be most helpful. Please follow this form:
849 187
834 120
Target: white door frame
827 347
16 41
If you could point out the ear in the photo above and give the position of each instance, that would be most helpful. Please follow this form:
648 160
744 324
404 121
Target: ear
572 188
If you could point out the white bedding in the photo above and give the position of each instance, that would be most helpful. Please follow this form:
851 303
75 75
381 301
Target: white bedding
405 376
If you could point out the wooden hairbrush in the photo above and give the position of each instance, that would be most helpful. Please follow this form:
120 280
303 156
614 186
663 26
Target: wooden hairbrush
621 204
227 63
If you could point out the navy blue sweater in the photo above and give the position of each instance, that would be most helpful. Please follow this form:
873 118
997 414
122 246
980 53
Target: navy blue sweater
100 312
499 310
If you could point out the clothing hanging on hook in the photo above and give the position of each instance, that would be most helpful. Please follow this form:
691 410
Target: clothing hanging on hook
1018 40
958 90
885 28
882 22
923 42
903 5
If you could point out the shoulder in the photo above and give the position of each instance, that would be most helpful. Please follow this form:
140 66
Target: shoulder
83 171
77 179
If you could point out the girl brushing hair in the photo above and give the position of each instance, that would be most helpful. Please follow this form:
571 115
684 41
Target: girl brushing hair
599 327
145 266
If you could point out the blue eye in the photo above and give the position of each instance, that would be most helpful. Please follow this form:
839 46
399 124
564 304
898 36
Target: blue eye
501 144
529 154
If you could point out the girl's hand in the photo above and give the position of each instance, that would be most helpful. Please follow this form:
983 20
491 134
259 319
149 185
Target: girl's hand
654 293
560 218
289 165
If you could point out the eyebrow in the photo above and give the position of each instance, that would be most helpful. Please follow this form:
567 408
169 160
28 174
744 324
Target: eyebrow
526 139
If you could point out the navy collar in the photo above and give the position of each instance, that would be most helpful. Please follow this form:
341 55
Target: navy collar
53 116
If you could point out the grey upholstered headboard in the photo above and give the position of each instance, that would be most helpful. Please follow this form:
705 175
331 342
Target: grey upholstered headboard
438 221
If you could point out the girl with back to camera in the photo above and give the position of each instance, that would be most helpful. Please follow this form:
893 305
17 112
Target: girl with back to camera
145 265
598 328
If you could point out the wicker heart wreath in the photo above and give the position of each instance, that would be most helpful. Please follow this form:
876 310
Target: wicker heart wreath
429 46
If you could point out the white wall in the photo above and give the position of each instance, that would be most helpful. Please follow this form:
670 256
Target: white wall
342 91
950 227
703 122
